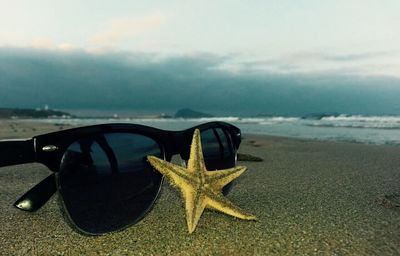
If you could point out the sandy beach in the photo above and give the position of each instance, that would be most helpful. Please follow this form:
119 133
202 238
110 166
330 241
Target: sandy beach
310 197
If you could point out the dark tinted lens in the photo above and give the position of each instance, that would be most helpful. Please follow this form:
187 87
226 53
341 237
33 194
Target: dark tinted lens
218 150
105 181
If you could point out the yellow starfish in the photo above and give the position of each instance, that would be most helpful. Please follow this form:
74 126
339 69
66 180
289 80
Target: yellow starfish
201 188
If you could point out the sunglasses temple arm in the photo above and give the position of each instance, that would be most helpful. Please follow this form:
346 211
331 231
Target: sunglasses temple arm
14 152
37 196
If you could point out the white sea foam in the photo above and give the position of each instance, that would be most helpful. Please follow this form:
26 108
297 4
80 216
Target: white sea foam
359 121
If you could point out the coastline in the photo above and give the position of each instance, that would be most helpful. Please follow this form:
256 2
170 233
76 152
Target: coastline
310 197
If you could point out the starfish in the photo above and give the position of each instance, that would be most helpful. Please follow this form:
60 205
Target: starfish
200 188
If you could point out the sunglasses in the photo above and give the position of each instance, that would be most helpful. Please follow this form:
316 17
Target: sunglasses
101 172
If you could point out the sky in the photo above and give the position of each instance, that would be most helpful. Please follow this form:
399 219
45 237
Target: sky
347 37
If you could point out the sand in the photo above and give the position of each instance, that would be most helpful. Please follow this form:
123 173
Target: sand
310 197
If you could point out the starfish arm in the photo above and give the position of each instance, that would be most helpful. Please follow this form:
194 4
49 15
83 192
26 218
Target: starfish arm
196 159
219 179
177 175
194 206
220 203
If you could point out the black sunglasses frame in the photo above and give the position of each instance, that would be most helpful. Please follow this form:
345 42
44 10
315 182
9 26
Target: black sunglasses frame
48 149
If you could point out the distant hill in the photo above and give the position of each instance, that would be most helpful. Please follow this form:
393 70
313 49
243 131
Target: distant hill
31 113
189 113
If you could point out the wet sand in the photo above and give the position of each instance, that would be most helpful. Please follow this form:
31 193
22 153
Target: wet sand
310 197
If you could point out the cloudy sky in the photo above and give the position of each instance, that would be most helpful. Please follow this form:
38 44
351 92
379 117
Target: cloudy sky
356 37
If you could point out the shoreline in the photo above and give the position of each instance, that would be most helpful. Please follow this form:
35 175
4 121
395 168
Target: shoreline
310 197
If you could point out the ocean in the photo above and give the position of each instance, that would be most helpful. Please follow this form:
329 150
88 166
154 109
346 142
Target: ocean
351 128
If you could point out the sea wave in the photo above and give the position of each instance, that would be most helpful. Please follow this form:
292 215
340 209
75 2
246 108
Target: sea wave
356 126
358 121
339 121
361 118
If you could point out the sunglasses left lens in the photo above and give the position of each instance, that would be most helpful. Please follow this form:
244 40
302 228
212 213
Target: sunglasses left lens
106 183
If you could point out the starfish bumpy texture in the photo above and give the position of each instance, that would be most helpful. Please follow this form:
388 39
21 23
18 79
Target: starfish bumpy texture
201 188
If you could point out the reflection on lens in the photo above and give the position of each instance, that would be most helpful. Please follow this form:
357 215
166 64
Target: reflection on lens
105 181
218 151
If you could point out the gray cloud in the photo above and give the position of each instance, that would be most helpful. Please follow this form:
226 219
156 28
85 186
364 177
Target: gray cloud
355 57
374 63
142 82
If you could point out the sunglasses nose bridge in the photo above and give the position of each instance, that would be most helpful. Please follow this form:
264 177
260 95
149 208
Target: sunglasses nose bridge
174 143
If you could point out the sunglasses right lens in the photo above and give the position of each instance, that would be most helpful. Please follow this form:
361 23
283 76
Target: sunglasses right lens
218 151
106 183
